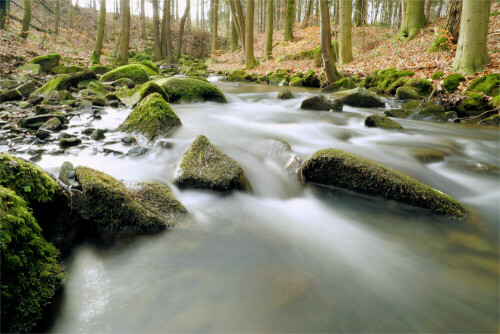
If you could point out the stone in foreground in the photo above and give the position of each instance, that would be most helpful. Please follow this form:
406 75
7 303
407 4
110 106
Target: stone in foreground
360 97
321 102
205 166
342 169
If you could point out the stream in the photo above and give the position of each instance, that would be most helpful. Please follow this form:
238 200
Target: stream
282 257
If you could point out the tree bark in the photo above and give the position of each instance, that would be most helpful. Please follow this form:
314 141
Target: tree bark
157 53
26 19
359 8
236 20
414 19
4 14
163 36
345 47
181 28
241 20
453 15
269 30
234 35
143 20
472 53
326 43
58 18
336 9
125 31
428 5
215 28
96 55
168 36
290 14
249 55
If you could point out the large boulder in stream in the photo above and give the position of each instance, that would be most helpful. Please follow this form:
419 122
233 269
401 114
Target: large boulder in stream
58 83
47 62
322 102
107 202
188 90
153 117
135 72
203 165
131 97
342 169
383 122
360 97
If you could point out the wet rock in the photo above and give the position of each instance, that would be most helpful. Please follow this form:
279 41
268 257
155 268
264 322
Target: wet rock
31 68
98 134
133 96
96 101
43 134
53 124
203 165
153 117
428 155
113 104
47 62
360 97
124 82
407 93
76 78
492 120
100 69
423 87
128 140
25 105
34 122
44 109
67 69
284 94
106 201
134 72
85 104
398 113
27 88
346 170
67 173
321 102
35 99
36 158
310 79
383 122
483 167
11 95
138 151
59 83
342 84
295 82
85 83
434 113
189 90
69 142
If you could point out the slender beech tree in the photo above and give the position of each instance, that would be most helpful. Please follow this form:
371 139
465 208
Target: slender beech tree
236 20
307 13
249 56
157 54
472 53
26 19
96 55
453 15
163 39
234 35
269 30
290 15
359 12
336 10
125 32
58 19
241 19
414 19
181 28
345 25
215 27
143 20
326 43
428 6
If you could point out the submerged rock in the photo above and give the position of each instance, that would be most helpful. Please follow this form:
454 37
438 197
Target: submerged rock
360 97
205 166
384 122
153 117
133 96
67 173
285 94
53 124
321 102
346 170
69 142
113 207
188 90
398 113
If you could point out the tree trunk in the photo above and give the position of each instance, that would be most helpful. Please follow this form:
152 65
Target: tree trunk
472 53
143 20
290 14
96 55
249 56
453 15
125 30
26 19
236 20
345 48
299 11
428 5
336 9
215 28
181 28
326 43
269 30
234 35
403 11
202 14
440 8
157 54
58 18
241 20
358 13
4 14
163 37
414 19
168 38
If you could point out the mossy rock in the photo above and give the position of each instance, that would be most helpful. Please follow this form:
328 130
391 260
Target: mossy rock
295 82
47 62
114 208
474 104
386 78
383 122
188 90
11 95
59 83
149 70
31 68
422 86
488 84
236 75
133 96
414 105
437 75
84 83
67 69
75 78
342 84
124 82
400 82
439 44
34 122
100 69
98 89
59 96
203 165
398 113
322 103
407 93
150 64
169 71
284 94
342 169
434 112
492 120
276 79
153 117
452 81
310 79
360 97
134 72
31 273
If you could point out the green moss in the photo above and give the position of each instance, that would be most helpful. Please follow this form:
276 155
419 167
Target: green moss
413 105
47 61
440 44
134 72
310 79
492 120
100 69
133 96
384 122
60 82
398 113
188 90
386 78
152 117
488 84
342 84
432 113
474 102
346 170
67 69
115 208
295 82
407 93
360 97
30 269
28 180
149 70
236 75
437 75
150 65
452 81
205 166
422 86
285 94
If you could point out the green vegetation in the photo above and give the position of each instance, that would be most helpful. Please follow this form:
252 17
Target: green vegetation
437 75
384 122
188 90
342 84
134 72
398 113
60 82
440 44
452 81
133 96
488 84
285 94
47 62
360 97
67 69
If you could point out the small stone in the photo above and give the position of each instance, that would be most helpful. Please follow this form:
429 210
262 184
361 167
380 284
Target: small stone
35 99
67 173
43 134
98 134
52 124
285 94
128 140
113 104
137 151
44 109
69 142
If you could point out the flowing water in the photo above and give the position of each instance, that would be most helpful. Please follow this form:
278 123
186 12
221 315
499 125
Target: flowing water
288 258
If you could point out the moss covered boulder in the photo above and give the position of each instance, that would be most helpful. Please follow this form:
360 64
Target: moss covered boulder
342 84
383 122
492 120
295 82
59 83
360 97
203 165
133 96
284 94
388 80
322 102
100 69
67 69
30 271
452 81
152 66
188 90
435 113
473 104
437 75
115 208
407 93
310 79
47 62
153 117
398 113
134 72
422 86
342 169
488 84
